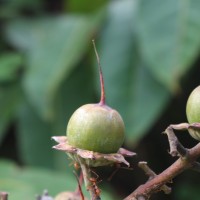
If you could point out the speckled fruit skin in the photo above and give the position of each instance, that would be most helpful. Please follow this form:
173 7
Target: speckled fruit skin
193 106
96 127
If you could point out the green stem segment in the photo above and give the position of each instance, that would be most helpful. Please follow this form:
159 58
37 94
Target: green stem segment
102 100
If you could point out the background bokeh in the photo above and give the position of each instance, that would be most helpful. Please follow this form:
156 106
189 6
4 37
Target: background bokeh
149 53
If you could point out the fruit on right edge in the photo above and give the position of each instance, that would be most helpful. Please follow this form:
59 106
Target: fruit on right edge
193 111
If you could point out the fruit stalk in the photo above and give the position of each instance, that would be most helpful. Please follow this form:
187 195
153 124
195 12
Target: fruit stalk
103 99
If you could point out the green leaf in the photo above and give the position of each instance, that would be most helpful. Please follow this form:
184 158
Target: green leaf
26 183
9 100
34 138
80 82
54 182
9 182
116 51
34 134
17 189
9 66
168 32
130 87
147 100
7 167
55 46
86 6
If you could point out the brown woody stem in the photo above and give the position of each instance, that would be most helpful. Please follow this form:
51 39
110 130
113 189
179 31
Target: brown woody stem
186 161
176 148
149 172
154 185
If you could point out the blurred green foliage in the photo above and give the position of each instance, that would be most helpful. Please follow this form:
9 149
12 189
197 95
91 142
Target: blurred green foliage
29 182
48 67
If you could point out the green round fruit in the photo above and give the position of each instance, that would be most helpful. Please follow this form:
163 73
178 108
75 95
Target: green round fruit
193 106
193 112
96 127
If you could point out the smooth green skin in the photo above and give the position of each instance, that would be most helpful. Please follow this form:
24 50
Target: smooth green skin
193 111
193 106
96 128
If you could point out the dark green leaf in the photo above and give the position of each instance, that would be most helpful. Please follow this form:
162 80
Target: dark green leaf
74 92
35 143
9 100
54 182
26 183
34 138
55 46
168 32
17 189
86 6
7 167
130 87
9 66
10 9
146 100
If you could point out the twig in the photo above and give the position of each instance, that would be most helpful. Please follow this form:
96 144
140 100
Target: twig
186 161
176 148
141 198
79 189
152 174
196 166
3 196
167 175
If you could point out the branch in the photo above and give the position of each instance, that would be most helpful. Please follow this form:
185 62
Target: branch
152 174
186 161
167 175
176 148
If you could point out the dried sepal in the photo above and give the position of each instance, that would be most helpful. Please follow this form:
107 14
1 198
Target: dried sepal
93 159
194 130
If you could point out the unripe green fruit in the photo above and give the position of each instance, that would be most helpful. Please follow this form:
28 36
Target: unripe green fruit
193 111
96 127
193 106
